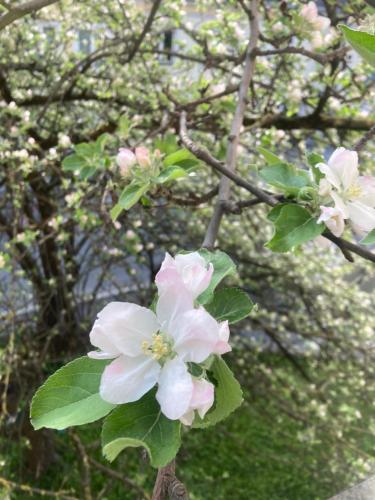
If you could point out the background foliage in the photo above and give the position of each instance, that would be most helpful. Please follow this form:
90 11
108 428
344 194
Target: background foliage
305 357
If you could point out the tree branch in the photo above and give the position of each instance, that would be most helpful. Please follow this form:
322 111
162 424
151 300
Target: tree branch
22 10
204 155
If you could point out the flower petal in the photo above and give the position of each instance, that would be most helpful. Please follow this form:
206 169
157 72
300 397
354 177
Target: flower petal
173 301
333 218
330 175
362 216
127 379
189 270
99 338
196 335
222 346
125 326
344 164
203 396
175 389
367 185
340 204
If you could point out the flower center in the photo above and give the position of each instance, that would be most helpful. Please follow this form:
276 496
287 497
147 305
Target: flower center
159 348
353 192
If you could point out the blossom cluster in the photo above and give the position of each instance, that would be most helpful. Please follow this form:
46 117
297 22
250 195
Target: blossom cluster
345 194
126 159
316 25
167 347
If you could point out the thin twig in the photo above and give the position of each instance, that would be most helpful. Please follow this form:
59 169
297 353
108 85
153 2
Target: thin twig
233 139
363 141
22 10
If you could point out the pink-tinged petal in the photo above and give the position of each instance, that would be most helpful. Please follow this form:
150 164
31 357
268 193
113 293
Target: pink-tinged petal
222 346
194 271
100 339
128 379
196 334
143 156
168 274
367 185
188 270
333 219
126 326
175 389
322 23
172 303
362 216
309 11
203 396
344 164
125 160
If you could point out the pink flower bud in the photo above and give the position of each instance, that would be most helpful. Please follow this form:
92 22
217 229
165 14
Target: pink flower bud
143 156
125 160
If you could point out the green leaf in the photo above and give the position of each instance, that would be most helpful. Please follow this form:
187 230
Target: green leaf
87 172
230 304
361 41
141 424
369 239
116 211
70 396
293 226
286 177
170 174
182 158
73 162
101 142
223 265
228 394
85 149
132 194
168 144
313 159
269 157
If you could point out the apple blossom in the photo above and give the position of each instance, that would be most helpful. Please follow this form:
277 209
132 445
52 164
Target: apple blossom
333 218
310 13
150 348
143 156
189 270
352 194
125 160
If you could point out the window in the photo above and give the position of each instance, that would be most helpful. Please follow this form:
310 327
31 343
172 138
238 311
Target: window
85 41
167 46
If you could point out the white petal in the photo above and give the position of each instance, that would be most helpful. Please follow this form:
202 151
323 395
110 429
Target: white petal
100 355
340 204
175 389
345 165
188 418
126 326
100 339
367 185
331 176
127 379
362 216
173 302
196 335
333 219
